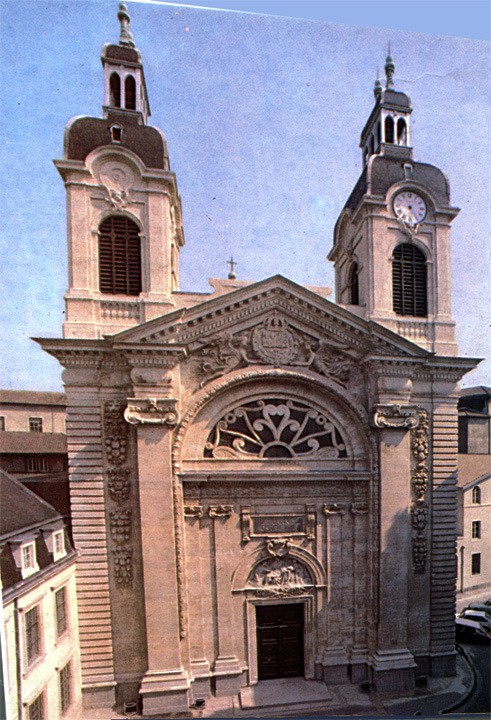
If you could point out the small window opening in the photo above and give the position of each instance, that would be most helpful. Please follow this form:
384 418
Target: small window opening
476 529
2 422
130 93
372 145
379 135
115 90
408 171
116 133
389 130
476 496
401 132
35 424
354 296
476 563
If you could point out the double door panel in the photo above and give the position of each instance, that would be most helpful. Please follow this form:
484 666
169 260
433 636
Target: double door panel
280 640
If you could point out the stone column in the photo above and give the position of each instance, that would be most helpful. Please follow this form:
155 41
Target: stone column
335 660
226 668
165 686
361 599
392 663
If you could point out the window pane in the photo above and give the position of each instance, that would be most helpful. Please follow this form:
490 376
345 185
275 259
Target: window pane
61 611
32 634
65 688
476 528
35 424
36 708
476 563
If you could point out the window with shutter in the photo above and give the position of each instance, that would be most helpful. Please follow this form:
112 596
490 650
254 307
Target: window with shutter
119 257
354 295
409 292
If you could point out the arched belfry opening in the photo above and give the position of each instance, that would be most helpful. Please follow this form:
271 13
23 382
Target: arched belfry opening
115 90
130 93
389 129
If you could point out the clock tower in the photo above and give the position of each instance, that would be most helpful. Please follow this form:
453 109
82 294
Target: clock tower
391 249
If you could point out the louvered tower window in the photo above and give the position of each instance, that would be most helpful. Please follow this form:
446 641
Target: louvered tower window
354 295
409 281
119 257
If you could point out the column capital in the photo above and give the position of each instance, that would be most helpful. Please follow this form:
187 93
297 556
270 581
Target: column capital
397 417
152 411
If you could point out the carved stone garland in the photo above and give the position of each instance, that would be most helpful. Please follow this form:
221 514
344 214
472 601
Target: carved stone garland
419 485
119 489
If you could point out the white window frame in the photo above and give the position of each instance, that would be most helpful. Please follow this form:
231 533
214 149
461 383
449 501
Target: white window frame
59 551
32 567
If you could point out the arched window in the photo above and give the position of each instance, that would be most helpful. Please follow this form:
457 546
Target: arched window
389 130
119 257
401 131
409 292
115 90
130 93
476 495
379 135
372 145
354 297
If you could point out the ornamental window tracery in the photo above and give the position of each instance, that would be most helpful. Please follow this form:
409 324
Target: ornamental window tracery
275 428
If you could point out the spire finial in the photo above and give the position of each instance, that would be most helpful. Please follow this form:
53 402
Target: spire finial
125 34
377 89
232 263
389 70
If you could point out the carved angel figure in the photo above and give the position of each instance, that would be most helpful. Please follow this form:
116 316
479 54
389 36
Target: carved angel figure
330 363
222 354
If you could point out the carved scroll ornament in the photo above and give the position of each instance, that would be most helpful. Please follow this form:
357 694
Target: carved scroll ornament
152 411
193 511
278 547
403 417
221 512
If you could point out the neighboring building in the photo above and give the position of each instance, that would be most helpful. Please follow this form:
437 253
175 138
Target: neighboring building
263 483
33 443
474 467
39 607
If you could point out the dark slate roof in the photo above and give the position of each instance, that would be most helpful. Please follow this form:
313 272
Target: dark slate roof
85 134
121 53
385 171
32 443
32 397
20 508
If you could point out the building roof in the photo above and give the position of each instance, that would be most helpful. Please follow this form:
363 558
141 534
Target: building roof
476 390
20 508
39 443
476 481
32 397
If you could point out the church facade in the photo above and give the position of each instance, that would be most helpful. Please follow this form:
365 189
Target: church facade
263 482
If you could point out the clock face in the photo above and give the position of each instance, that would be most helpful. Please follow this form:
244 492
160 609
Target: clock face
409 207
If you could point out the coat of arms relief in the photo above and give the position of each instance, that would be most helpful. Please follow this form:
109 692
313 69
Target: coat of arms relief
273 342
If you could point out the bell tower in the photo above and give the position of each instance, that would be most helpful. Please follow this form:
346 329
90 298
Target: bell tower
391 250
123 207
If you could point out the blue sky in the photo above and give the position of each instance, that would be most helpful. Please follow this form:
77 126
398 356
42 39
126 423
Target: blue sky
262 115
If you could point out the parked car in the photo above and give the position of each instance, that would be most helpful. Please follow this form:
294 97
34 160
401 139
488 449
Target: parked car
483 606
471 631
478 615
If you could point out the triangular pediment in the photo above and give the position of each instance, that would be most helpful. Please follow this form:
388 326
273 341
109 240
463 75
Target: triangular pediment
275 309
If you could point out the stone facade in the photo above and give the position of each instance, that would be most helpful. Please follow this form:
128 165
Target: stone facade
262 447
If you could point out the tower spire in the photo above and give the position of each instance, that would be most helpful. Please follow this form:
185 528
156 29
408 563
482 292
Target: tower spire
389 70
125 34
377 89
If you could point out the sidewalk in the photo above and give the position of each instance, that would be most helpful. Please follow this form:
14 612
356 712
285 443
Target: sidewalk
300 698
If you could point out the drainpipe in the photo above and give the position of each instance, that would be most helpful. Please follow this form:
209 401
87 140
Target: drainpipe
462 568
17 659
